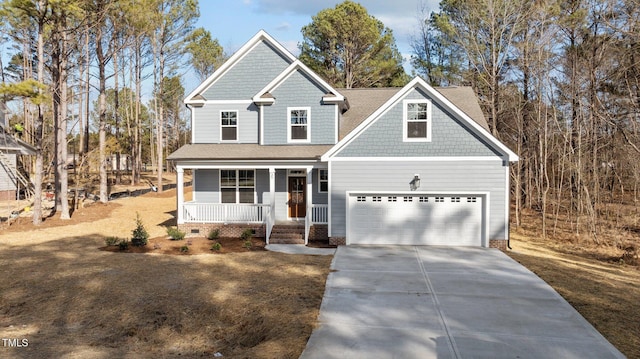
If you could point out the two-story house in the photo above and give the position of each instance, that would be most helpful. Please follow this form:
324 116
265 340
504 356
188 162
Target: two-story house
277 149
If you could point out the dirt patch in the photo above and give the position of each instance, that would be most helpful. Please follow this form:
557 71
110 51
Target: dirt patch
70 299
596 280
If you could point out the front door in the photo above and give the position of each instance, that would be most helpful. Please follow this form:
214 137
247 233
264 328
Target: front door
297 197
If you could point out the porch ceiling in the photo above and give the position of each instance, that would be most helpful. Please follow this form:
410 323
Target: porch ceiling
254 151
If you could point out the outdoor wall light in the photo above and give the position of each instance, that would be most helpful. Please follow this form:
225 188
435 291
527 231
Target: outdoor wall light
415 182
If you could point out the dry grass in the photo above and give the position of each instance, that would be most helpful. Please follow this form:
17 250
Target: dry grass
591 277
70 299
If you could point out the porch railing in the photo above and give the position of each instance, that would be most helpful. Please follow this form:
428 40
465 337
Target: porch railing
225 212
319 213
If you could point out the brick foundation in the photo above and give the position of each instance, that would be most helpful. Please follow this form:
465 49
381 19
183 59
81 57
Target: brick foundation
8 195
225 230
501 244
319 232
338 241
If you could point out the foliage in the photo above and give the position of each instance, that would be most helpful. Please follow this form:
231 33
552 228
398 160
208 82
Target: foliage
31 89
139 235
206 53
216 246
351 48
175 234
184 249
124 244
246 234
111 241
247 244
213 234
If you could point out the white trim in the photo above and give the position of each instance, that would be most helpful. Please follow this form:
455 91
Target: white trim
405 120
193 123
486 215
318 175
284 75
337 125
261 124
434 95
308 124
237 170
329 202
507 202
221 126
225 102
244 164
416 159
235 58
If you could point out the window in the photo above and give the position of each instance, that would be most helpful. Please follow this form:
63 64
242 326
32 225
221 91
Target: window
392 199
439 199
323 180
424 199
299 124
362 199
455 199
237 186
471 199
229 125
407 199
417 120
376 198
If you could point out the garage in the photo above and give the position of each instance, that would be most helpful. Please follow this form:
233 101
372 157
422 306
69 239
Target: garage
416 219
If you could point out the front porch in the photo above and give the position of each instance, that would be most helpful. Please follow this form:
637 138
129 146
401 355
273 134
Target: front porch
279 195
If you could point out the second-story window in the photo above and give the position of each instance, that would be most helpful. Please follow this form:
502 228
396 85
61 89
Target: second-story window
298 128
229 125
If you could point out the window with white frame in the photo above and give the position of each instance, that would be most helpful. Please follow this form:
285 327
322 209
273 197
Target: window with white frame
229 125
237 186
298 128
417 120
323 180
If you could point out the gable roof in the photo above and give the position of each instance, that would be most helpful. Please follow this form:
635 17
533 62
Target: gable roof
477 125
195 96
10 144
264 96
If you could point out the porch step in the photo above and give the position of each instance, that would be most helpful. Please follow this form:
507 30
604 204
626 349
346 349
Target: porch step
287 234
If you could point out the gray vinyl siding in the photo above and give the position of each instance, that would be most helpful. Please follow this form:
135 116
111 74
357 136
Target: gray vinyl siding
449 137
7 180
249 75
299 91
206 186
455 176
262 186
207 122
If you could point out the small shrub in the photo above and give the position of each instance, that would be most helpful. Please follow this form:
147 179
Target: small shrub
139 235
246 234
247 244
111 241
216 246
184 249
123 244
175 234
213 234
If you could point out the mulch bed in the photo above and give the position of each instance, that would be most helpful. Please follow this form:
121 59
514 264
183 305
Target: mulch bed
196 245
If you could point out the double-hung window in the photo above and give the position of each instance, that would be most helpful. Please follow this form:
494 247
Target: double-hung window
298 124
229 125
417 120
237 186
323 180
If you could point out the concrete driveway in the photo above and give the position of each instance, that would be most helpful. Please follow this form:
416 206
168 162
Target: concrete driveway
444 302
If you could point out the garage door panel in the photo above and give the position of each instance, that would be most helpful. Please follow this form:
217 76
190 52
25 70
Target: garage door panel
415 220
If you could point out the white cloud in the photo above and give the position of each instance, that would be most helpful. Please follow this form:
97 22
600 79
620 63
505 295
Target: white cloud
285 26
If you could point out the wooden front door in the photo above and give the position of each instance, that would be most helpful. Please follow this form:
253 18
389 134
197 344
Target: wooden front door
297 197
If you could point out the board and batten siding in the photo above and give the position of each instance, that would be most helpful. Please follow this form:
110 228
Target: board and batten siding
249 75
207 122
299 91
436 176
7 179
449 137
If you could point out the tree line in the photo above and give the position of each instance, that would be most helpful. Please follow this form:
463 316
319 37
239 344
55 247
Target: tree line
77 67
559 81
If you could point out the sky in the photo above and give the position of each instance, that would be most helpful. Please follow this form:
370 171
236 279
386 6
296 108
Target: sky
234 22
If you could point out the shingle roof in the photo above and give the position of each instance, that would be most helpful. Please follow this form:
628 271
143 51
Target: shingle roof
10 144
236 151
364 101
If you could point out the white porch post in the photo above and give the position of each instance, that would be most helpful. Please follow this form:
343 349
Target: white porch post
272 202
180 194
309 204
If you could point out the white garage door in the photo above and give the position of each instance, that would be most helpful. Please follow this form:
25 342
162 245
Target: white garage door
453 220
